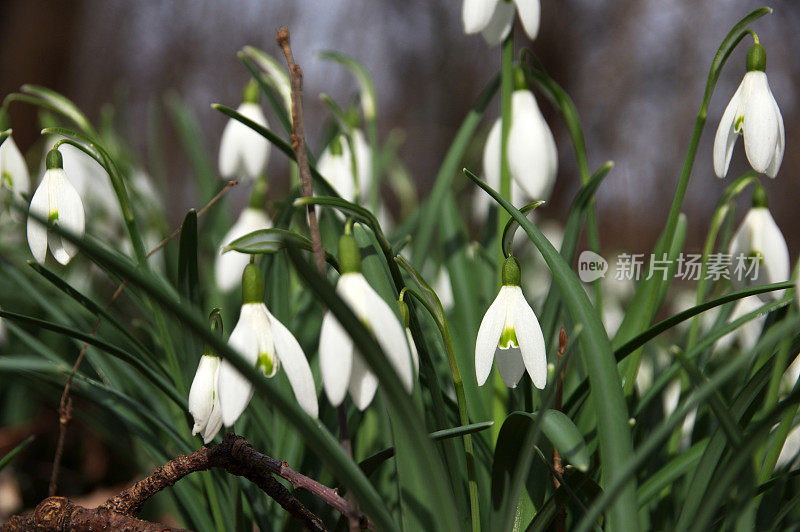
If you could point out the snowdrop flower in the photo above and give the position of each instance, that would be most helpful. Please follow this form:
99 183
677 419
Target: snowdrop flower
494 18
243 153
748 334
204 399
229 265
510 335
753 112
341 365
759 237
14 174
263 341
56 200
336 165
531 149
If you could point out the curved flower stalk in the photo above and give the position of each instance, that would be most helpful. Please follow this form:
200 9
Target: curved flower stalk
229 265
243 153
14 175
495 18
341 365
336 165
754 113
531 150
510 335
759 242
56 200
264 341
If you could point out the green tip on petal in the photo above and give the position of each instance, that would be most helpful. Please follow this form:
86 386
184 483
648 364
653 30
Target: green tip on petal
252 285
403 312
756 58
266 364
511 274
250 92
520 83
508 339
349 255
54 159
759 197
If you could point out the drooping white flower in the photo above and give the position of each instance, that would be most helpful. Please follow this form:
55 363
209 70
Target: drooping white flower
531 151
56 200
243 153
342 366
746 335
264 341
204 399
14 174
758 242
336 165
229 265
753 112
510 335
495 18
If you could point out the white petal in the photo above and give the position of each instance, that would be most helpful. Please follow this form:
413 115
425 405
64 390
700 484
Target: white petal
235 391
726 135
229 266
529 14
294 363
760 122
12 164
363 164
243 153
532 156
749 333
476 14
203 399
509 365
670 397
776 254
489 335
386 327
499 25
363 383
70 217
37 232
335 359
777 159
338 171
530 338
758 232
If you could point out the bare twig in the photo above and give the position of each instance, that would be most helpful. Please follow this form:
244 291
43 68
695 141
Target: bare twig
234 454
65 405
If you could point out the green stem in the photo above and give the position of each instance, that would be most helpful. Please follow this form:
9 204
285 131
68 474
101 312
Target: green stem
506 90
458 386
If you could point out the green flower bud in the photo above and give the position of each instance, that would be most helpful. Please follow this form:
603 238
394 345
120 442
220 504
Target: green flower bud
520 83
336 145
349 255
756 58
251 92
759 197
511 274
252 285
404 313
5 121
54 159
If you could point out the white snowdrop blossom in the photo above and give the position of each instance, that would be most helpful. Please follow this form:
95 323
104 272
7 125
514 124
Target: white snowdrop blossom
754 113
342 366
243 153
510 335
57 201
336 165
495 18
204 399
229 265
263 341
531 151
14 175
759 237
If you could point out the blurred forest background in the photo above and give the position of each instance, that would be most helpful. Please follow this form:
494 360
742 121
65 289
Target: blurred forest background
635 68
